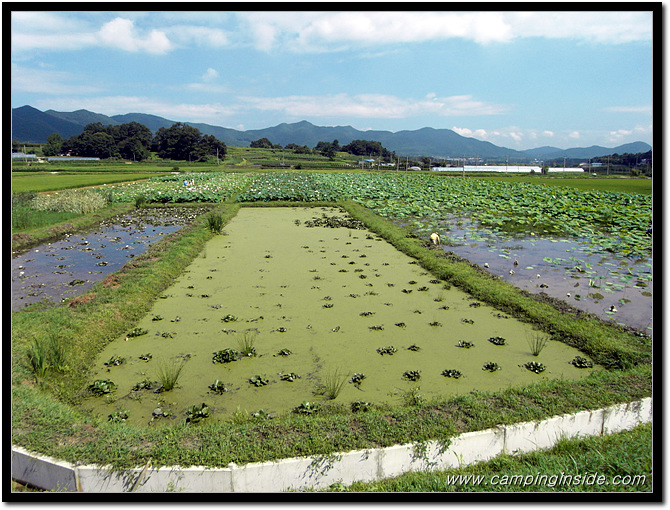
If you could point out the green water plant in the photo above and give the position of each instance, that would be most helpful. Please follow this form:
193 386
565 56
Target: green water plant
196 413
227 355
390 350
118 416
535 366
101 387
283 352
412 375
137 332
307 408
357 378
465 344
497 340
115 361
146 384
454 374
581 362
491 366
218 387
360 406
289 376
258 380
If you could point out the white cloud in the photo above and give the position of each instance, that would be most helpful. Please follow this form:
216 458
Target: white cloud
332 31
185 35
379 106
210 75
629 109
121 33
574 135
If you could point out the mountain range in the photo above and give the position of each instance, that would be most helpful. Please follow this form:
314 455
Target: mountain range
31 125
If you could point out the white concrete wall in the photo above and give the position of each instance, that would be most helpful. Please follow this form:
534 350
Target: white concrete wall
321 471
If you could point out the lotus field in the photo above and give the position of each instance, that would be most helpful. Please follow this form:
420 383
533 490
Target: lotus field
609 221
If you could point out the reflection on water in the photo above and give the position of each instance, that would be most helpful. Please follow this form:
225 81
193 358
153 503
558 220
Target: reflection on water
613 287
69 267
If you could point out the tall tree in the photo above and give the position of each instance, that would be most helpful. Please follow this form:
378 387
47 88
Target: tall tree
54 145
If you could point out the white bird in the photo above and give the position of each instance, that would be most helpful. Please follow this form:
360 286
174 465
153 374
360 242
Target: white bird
568 294
511 271
516 262
538 276
486 264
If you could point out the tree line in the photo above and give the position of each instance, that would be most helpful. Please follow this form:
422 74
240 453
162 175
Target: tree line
369 148
135 141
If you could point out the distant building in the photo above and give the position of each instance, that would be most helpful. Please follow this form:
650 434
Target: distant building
22 155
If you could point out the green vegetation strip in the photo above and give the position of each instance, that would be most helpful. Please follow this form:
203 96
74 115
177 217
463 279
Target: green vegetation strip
45 419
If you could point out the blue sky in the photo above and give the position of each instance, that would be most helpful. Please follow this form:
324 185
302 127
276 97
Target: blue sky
515 79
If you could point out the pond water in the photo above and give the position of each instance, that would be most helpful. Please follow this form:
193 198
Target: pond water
572 270
69 267
318 302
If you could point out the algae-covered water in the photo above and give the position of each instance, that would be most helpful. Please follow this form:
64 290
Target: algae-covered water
331 297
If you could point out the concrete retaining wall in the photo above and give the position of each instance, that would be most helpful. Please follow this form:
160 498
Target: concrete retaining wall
322 471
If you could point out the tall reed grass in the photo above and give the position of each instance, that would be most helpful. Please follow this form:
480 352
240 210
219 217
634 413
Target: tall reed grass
332 384
537 341
215 222
73 201
168 374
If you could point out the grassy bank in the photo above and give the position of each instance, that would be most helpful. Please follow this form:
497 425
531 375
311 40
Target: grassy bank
53 426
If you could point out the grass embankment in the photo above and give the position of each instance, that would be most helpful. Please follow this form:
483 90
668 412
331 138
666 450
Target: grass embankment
54 427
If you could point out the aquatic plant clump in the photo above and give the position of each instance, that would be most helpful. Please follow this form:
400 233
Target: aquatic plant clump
465 344
225 356
534 366
196 413
581 362
258 380
137 332
390 350
491 366
307 408
454 374
497 340
218 387
412 375
102 387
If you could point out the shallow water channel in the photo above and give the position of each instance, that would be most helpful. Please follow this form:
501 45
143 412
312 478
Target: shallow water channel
71 266
319 301
572 270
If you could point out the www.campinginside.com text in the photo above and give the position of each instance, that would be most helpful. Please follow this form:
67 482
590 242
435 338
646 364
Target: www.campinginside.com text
554 480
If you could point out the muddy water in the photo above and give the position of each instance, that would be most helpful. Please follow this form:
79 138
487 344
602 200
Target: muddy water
71 266
566 269
332 297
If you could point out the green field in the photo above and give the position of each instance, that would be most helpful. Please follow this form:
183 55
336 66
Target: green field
45 181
